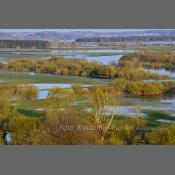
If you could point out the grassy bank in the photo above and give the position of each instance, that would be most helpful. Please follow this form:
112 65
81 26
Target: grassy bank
22 77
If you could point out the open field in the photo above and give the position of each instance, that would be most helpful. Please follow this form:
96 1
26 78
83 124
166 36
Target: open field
22 77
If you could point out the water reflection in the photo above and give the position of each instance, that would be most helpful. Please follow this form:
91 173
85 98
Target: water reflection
162 72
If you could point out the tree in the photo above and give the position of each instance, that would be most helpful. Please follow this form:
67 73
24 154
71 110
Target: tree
119 85
7 110
77 88
28 92
59 99
63 130
101 98
162 135
24 130
110 71
127 130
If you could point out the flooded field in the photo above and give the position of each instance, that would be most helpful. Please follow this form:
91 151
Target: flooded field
44 88
162 72
128 106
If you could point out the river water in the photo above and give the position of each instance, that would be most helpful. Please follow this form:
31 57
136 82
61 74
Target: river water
101 59
71 54
45 87
162 72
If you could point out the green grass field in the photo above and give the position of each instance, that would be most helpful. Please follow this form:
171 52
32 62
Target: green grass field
22 77
157 115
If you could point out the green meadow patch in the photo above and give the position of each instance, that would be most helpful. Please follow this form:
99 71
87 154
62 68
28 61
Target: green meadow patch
158 115
29 113
24 77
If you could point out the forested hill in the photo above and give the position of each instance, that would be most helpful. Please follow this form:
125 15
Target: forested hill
24 44
126 39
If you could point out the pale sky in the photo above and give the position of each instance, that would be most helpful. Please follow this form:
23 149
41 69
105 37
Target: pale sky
69 30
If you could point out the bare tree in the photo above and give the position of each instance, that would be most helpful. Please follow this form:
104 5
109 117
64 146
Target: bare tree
104 105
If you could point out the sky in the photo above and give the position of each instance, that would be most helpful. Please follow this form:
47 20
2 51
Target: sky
69 30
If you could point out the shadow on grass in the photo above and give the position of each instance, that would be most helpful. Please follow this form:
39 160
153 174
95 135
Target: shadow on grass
29 113
158 115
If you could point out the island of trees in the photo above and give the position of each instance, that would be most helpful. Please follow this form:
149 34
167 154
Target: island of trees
81 67
151 59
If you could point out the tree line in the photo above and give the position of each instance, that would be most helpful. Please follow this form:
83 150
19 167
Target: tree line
80 67
151 59
126 39
141 88
38 44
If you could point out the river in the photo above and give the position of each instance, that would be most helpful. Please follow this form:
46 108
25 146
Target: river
162 72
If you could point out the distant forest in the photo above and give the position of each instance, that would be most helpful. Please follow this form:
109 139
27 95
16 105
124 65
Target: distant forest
126 39
39 44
